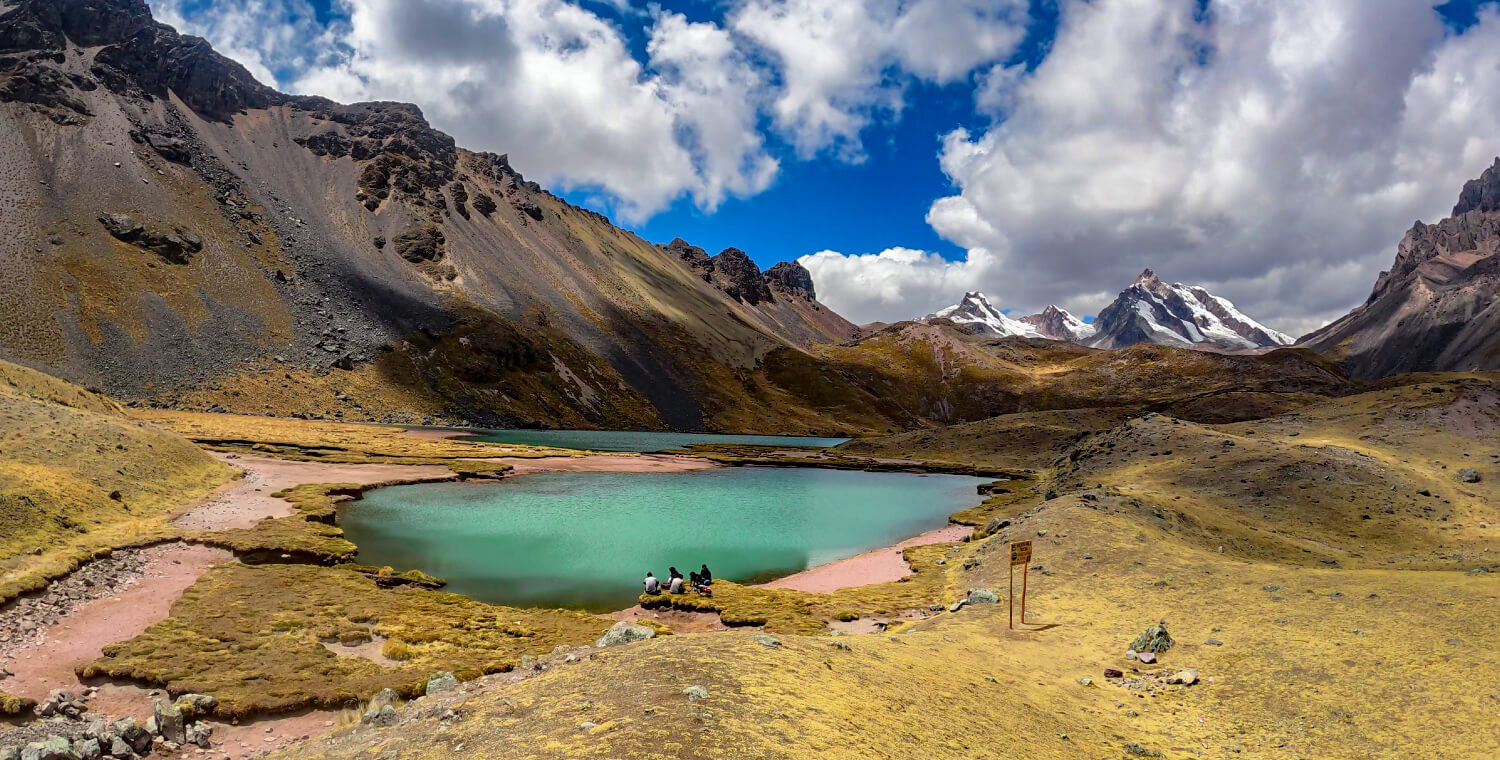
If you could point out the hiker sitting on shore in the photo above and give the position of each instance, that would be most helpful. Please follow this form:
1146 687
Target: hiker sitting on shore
674 581
699 586
705 576
653 586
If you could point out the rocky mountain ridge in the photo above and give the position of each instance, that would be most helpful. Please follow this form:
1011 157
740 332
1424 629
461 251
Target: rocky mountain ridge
1149 311
247 240
1438 307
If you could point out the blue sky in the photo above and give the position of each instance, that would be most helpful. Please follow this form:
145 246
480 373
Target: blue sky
1043 151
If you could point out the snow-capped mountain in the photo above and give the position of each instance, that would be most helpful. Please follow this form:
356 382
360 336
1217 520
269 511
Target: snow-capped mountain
1056 323
1150 311
976 312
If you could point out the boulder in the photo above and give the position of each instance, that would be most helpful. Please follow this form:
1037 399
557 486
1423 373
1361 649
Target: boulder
1154 640
769 642
122 227
385 717
1146 657
88 749
1185 677
695 693
625 633
199 733
170 148
195 706
119 749
51 748
1468 475
441 682
170 722
386 698
983 596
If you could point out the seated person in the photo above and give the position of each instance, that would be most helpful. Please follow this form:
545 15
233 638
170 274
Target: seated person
653 586
674 586
705 575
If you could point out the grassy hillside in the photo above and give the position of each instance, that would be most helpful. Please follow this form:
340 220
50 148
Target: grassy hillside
78 477
1148 519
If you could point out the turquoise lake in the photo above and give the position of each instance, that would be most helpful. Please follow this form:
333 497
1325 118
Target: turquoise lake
643 441
585 540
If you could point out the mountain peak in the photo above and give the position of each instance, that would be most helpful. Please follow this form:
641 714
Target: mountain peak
978 313
1178 315
1481 194
1056 323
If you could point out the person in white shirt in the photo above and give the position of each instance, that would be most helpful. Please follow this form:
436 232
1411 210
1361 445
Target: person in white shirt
675 586
653 586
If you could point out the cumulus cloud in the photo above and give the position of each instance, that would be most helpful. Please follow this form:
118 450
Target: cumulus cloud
1273 152
558 86
844 62
897 281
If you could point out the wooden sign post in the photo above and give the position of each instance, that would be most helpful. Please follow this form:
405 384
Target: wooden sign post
1020 554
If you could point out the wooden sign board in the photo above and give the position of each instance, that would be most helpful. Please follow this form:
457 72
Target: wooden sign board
1020 552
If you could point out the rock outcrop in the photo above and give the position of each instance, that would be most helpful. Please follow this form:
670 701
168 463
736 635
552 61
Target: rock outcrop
1438 307
739 277
791 278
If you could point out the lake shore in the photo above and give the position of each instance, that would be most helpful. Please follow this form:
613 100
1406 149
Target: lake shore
883 565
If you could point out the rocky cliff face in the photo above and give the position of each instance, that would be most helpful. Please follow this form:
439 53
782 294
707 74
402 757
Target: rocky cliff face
179 233
1438 308
791 278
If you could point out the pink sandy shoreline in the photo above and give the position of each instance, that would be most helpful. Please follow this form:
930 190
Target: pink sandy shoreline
882 565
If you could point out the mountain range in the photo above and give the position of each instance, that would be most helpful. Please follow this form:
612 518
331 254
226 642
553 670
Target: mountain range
180 235
1149 311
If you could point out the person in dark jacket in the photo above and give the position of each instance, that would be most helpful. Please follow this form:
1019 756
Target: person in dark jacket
705 576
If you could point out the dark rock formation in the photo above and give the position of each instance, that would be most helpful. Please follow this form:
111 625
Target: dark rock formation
739 277
696 258
460 198
791 278
1482 195
1438 308
484 204
528 207
420 242
176 247
137 56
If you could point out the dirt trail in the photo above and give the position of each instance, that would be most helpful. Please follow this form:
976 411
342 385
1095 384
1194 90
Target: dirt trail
80 636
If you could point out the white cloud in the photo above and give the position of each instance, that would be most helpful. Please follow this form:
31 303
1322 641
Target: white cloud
896 283
557 86
1274 152
844 62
